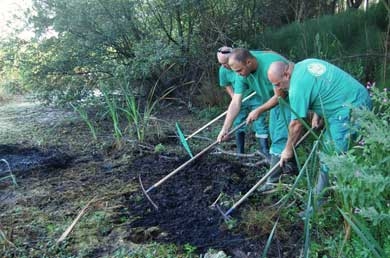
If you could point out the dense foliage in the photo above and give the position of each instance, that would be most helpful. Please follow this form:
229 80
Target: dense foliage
361 184
134 42
352 40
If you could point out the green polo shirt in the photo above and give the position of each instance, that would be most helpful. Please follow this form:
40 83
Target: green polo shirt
324 88
258 80
228 77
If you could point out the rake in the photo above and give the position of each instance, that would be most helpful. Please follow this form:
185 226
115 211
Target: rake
261 181
182 166
184 140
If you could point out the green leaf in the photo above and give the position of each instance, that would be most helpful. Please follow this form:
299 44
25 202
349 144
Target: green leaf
364 234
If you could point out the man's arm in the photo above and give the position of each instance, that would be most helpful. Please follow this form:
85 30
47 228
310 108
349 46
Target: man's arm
295 132
232 112
273 101
229 90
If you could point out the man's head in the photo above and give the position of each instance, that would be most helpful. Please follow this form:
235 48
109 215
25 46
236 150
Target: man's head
223 54
279 74
242 61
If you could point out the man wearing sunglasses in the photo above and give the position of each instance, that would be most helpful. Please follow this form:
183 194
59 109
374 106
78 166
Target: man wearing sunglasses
227 79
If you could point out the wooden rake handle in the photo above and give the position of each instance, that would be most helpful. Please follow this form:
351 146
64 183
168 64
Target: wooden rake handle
262 180
217 118
192 159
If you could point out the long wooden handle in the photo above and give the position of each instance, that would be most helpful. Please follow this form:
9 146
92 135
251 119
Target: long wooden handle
192 159
217 118
262 180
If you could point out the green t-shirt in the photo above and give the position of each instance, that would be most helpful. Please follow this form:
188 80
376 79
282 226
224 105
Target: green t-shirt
324 88
258 80
228 77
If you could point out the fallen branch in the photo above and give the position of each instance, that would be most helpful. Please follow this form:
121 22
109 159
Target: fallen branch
219 151
10 172
3 236
215 202
69 229
256 154
257 164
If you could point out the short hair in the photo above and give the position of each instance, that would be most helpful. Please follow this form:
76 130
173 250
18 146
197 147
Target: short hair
278 68
241 54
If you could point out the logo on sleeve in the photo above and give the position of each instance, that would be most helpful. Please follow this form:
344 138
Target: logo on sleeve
316 69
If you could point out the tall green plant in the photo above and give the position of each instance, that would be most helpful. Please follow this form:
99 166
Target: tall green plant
84 116
269 240
111 104
139 117
132 113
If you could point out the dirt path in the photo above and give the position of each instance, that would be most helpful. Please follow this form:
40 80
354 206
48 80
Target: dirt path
58 170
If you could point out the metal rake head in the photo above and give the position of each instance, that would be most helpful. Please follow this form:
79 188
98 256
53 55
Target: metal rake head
225 216
146 194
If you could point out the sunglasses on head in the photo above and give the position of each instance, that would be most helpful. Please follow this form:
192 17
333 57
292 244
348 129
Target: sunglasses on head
224 51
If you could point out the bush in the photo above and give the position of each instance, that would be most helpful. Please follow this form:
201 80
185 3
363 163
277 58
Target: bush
362 183
353 40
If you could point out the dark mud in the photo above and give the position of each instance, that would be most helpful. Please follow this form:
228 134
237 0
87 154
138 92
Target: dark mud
24 159
185 215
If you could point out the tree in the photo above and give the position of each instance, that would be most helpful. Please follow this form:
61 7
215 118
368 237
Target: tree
354 3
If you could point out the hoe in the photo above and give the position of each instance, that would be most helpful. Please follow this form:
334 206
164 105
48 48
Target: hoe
184 140
182 166
261 181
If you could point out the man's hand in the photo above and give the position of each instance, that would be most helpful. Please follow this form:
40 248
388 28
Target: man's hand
317 122
295 131
279 92
222 136
252 116
286 155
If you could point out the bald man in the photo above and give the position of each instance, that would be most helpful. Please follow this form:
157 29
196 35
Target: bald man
327 90
252 67
227 79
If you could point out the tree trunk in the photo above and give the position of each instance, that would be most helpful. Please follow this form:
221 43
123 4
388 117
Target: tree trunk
354 3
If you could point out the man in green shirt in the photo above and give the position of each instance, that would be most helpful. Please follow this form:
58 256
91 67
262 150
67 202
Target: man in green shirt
227 79
252 67
327 90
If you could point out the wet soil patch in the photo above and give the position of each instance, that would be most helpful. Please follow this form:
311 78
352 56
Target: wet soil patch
23 159
184 215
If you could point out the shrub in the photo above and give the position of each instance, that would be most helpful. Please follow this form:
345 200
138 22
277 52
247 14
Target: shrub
353 40
362 183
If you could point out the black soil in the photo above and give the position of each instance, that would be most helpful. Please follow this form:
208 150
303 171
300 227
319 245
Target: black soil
18 158
184 215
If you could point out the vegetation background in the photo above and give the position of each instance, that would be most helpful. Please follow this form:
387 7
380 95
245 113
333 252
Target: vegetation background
121 60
